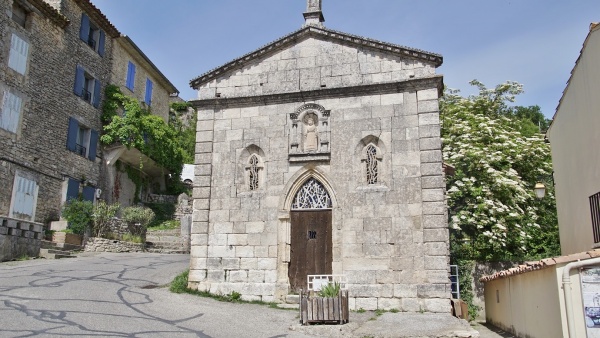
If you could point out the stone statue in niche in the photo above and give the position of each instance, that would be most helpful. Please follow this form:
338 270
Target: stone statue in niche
311 134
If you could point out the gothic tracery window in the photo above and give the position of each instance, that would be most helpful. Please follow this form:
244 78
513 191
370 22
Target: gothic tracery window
253 172
371 163
312 195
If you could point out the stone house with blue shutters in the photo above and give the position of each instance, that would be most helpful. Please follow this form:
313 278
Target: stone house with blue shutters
56 58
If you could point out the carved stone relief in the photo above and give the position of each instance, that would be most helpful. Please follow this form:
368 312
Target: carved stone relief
309 132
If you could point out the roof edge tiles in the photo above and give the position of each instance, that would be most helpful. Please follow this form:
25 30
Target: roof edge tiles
99 18
49 12
541 264
286 40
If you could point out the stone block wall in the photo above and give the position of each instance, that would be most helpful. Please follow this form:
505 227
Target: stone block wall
312 64
19 238
123 52
39 146
390 240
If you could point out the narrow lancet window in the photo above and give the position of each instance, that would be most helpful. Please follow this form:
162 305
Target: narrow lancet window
253 172
371 161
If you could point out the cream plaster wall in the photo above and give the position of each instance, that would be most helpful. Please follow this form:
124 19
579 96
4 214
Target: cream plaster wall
574 138
532 304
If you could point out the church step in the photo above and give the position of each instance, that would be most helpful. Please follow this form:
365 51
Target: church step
174 232
288 306
54 254
292 299
163 239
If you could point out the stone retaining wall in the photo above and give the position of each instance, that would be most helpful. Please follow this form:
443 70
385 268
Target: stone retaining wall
19 238
97 244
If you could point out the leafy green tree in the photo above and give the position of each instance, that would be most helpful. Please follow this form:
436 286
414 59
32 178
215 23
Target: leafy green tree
136 127
186 128
494 215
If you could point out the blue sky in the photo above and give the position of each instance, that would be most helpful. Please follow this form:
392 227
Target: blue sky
534 42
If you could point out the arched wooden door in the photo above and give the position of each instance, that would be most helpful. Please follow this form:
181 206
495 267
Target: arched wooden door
311 239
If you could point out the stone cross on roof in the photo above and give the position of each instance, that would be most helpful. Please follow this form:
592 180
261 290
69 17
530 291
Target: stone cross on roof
313 15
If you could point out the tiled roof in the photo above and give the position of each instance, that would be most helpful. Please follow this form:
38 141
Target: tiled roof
99 18
541 264
50 12
291 38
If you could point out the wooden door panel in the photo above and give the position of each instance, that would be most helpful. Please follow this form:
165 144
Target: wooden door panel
311 246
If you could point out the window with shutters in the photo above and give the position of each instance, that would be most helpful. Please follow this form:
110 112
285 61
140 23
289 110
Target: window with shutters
92 35
82 140
148 97
19 14
19 50
130 80
10 113
87 86
76 189
24 197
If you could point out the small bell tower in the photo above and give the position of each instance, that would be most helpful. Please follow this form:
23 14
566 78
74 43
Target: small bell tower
313 15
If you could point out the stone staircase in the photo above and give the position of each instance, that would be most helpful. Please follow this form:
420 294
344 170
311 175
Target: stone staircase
50 250
166 241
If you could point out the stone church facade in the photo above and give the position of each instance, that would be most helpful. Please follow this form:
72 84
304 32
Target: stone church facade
320 153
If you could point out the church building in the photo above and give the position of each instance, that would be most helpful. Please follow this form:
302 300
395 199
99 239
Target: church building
320 154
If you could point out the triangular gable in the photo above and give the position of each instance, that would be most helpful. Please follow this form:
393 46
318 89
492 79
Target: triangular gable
321 34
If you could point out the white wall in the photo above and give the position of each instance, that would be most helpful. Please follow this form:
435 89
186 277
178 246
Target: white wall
574 138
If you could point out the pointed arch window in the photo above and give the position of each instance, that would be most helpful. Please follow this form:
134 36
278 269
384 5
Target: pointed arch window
312 195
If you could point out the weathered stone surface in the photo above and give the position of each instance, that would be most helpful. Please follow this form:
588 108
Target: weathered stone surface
379 229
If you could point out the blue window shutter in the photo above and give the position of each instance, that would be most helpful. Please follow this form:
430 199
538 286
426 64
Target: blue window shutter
72 134
72 189
88 193
84 30
148 98
130 76
101 43
79 81
93 145
96 93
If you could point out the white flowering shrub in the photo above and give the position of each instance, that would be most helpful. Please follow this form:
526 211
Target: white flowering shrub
494 214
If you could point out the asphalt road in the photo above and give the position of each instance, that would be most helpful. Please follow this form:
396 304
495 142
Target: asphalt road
127 295
122 295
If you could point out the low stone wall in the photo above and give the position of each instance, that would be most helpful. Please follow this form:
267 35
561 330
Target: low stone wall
97 244
19 238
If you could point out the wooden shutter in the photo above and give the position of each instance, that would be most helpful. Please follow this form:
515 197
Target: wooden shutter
101 40
93 145
11 112
19 49
130 81
72 189
148 98
88 193
96 99
72 134
79 81
24 198
84 30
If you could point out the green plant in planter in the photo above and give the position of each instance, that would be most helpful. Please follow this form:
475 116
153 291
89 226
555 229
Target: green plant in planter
79 215
137 219
330 290
103 214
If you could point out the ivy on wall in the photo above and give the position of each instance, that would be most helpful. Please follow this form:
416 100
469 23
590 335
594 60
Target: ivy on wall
136 127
